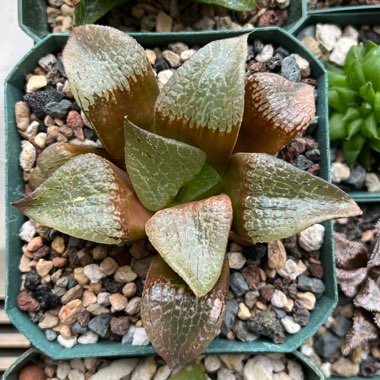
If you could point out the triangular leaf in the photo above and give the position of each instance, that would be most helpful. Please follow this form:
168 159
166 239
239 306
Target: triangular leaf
349 254
353 67
273 200
349 280
353 127
192 238
369 296
337 127
89 11
180 325
369 127
88 198
202 103
236 5
374 260
158 166
371 67
275 111
353 147
190 372
110 77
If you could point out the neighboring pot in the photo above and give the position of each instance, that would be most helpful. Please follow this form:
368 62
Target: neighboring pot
14 86
344 19
31 357
32 19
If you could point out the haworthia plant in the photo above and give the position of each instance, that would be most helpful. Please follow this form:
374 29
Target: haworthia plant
176 149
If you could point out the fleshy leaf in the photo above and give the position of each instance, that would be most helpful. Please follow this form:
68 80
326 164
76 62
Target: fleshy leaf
353 68
335 101
369 296
273 200
55 155
376 106
192 238
159 166
337 127
180 325
367 93
205 184
276 110
88 198
353 147
336 78
371 67
190 372
89 11
361 332
110 77
349 254
349 280
236 5
351 114
202 103
369 127
354 127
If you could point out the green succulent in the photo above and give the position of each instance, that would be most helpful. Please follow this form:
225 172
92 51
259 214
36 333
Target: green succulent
354 100
179 171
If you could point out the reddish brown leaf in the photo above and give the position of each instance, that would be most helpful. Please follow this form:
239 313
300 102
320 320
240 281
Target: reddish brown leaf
349 254
369 296
349 280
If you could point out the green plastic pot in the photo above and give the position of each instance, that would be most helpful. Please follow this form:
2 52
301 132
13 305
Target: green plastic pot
32 19
32 356
14 90
339 10
344 19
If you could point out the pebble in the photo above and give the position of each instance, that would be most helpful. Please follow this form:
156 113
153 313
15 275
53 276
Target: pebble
22 114
289 324
327 346
27 231
69 312
313 45
236 260
372 182
118 302
341 49
58 109
226 374
140 337
77 328
351 32
80 277
300 314
43 267
290 269
341 326
93 273
125 274
75 374
151 56
327 35
345 367
145 369
313 285
40 139
100 324
311 238
276 254
103 298
187 54
133 306
88 298
243 312
119 325
73 293
282 4
63 370
303 64
295 370
164 76
117 370
279 299
26 302
212 363
162 373
68 343
238 285
49 321
290 69
109 266
36 82
339 172
265 323
88 338
250 298
129 290
24 265
172 58
266 54
230 315
258 367
164 23
28 155
307 299
357 177
48 62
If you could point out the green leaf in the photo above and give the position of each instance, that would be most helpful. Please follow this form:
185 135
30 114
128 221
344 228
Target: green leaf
276 110
352 148
191 372
354 127
205 184
202 103
236 5
351 114
88 198
110 77
335 102
180 325
158 166
366 92
369 127
365 109
347 95
336 79
337 127
365 157
89 11
273 200
371 67
353 68
376 106
192 238
374 144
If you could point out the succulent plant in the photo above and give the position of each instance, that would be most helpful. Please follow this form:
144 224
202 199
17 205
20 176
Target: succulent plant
171 174
358 275
354 98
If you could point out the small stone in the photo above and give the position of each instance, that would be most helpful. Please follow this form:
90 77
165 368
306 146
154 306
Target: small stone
328 346
341 326
276 254
357 177
89 298
140 337
164 23
300 314
32 280
75 123
90 363
35 82
129 290
251 274
234 362
303 65
151 56
109 266
326 369
27 231
250 298
163 373
258 367
345 367
96 309
24 265
80 277
26 302
164 76
290 269
187 54
48 62
145 369
58 109
69 312
236 260
303 163
125 274
212 363
372 182
68 343
307 299
341 49
238 285
50 335
339 172
172 58
63 369
119 325
88 338
265 323
316 270
75 374
73 293
290 69
282 4
133 306
116 370
266 54
290 326
118 301
205 23
295 370
226 374
327 35
313 45
78 329
311 239
46 298
43 267
100 324
243 312
230 316
27 156
351 32
279 299
93 273
22 114
49 321
313 285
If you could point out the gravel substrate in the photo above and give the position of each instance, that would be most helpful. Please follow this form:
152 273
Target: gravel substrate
173 16
221 367
80 292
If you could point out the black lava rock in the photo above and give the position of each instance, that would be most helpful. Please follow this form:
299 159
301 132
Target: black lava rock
300 314
89 134
39 99
258 46
58 109
238 285
46 298
100 324
32 280
313 155
76 328
256 252
274 62
112 286
161 65
290 69
265 323
328 346
232 308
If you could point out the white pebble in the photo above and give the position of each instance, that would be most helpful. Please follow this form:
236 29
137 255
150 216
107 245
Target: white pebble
341 49
339 172
295 370
327 35
118 369
75 374
212 363
351 32
27 231
236 260
88 338
290 325
28 155
68 343
140 337
63 370
162 373
77 364
128 337
372 182
266 54
40 139
290 269
279 299
303 65
326 369
185 55
48 62
164 75
282 4
93 272
173 59
311 239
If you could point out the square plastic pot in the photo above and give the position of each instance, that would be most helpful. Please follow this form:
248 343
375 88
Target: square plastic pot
344 19
32 19
14 90
310 371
